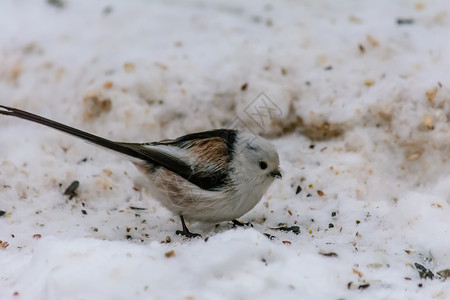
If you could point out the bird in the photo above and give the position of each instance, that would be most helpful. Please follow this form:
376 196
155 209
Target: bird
210 176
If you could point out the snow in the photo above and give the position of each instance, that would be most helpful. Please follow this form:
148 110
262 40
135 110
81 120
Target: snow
359 116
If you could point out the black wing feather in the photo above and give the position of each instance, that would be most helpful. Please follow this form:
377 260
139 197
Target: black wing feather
228 136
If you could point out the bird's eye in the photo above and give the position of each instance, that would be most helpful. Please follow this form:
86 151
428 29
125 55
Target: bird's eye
263 165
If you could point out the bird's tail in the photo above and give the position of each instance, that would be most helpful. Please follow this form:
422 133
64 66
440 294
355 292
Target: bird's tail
115 146
138 153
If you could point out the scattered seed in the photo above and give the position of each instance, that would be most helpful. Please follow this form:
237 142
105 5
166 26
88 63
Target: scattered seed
363 286
129 67
428 122
244 86
405 21
329 254
444 273
70 191
298 190
330 225
241 224
372 41
419 6
361 48
107 10
82 160
424 272
170 254
369 82
57 4
137 208
84 212
108 84
270 237
294 229
320 193
359 273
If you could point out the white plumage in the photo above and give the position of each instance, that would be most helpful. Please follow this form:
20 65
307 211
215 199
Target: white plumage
209 176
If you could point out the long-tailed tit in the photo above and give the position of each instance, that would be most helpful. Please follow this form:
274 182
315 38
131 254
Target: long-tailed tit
210 176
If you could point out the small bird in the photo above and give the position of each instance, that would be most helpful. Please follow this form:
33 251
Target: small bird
211 176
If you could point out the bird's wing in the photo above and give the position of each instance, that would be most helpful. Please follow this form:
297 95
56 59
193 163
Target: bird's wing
201 158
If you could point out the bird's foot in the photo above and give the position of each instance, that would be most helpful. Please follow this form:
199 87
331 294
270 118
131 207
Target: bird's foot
187 234
241 224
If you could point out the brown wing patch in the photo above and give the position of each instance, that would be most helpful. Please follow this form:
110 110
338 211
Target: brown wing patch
210 152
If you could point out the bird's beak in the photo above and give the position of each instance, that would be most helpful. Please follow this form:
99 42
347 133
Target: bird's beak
276 174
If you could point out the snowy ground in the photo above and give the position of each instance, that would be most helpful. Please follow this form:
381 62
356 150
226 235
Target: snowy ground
360 92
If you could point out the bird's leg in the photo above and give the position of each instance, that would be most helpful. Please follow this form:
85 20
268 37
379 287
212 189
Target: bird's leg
186 231
240 224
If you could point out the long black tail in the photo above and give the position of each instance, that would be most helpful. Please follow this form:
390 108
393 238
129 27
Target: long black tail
118 147
140 152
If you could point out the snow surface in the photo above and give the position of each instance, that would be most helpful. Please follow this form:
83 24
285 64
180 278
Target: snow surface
360 99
